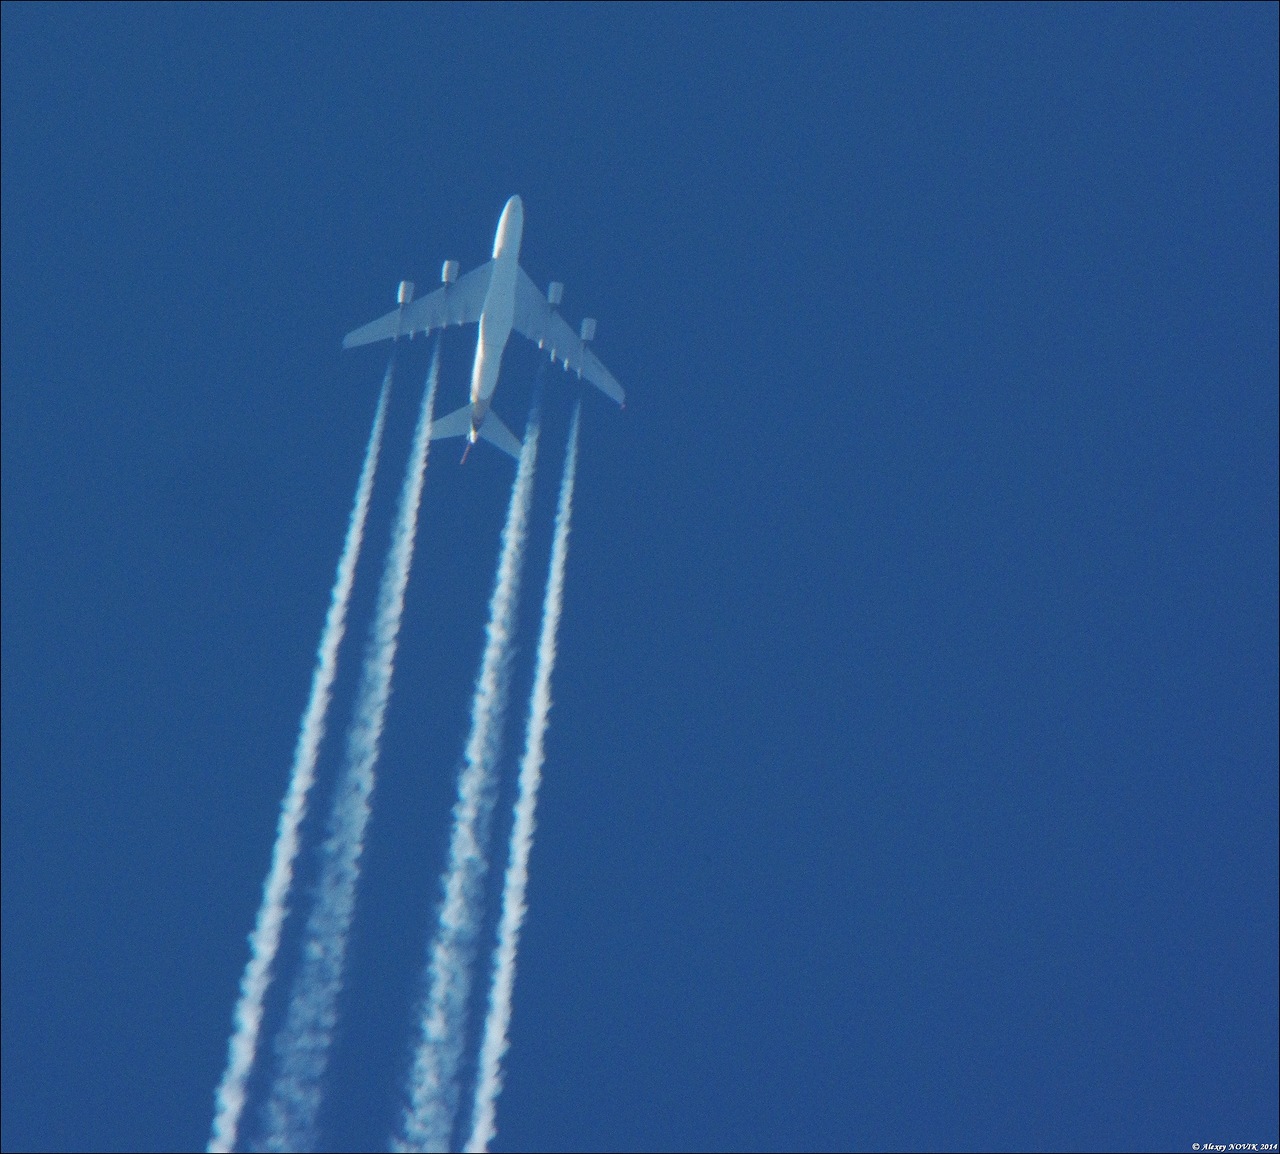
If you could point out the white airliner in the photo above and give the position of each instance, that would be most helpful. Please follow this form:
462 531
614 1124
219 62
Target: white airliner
500 296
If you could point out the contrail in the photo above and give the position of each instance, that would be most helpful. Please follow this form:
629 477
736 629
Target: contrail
303 1046
433 1087
495 1042
264 942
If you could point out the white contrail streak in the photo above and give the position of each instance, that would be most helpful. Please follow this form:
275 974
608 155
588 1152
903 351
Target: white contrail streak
264 942
495 1041
433 1086
303 1045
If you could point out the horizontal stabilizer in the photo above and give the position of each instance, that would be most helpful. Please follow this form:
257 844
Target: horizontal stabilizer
495 432
456 424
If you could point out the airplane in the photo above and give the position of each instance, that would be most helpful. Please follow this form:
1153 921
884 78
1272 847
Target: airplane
500 296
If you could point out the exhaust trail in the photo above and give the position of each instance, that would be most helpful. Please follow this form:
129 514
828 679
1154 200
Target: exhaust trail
495 1041
433 1082
264 941
302 1047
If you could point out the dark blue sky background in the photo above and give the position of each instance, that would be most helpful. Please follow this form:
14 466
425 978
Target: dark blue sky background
912 779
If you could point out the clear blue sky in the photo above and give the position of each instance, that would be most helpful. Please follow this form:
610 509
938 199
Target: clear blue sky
912 779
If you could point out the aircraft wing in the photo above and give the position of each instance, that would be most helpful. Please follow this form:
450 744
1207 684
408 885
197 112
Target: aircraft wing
459 303
537 320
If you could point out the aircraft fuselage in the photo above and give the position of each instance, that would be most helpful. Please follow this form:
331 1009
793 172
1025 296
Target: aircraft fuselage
498 312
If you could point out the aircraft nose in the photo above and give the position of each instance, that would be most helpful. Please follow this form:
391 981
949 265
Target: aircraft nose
510 226
512 216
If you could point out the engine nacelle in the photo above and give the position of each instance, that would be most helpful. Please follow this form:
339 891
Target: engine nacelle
555 293
449 273
404 294
588 330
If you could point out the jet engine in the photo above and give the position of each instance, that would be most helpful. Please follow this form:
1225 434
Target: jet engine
404 294
555 293
588 330
449 273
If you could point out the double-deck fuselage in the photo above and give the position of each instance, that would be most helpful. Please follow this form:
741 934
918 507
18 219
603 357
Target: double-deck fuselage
498 313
